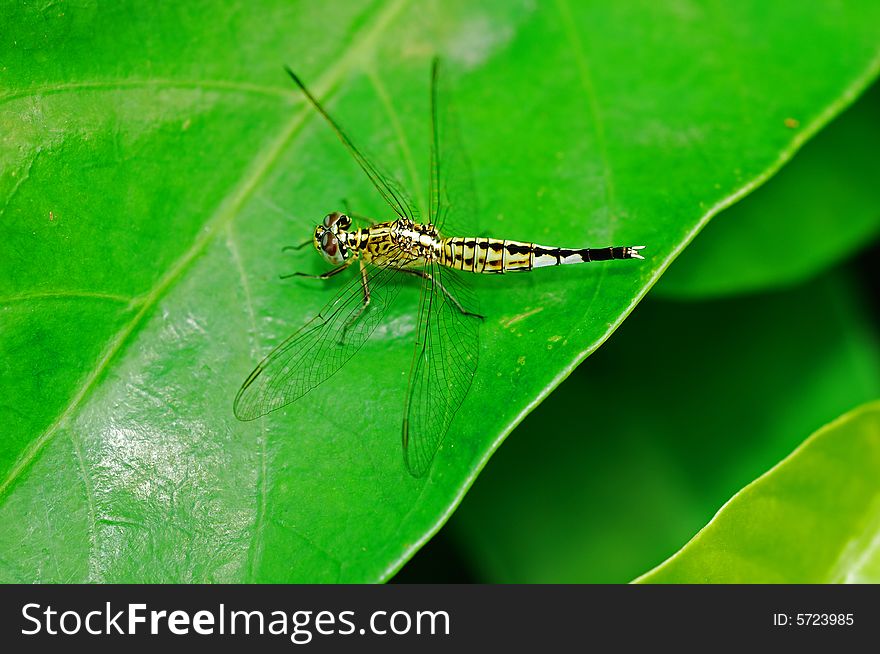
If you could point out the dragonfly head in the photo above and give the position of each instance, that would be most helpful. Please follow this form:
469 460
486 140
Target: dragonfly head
331 238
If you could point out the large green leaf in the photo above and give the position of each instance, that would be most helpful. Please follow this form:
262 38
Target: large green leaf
682 407
155 160
813 518
820 208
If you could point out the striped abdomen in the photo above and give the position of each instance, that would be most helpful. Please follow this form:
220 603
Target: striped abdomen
492 255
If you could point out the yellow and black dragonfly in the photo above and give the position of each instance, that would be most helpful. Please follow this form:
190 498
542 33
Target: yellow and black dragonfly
447 330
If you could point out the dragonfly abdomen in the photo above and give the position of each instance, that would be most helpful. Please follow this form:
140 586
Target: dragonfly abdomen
492 255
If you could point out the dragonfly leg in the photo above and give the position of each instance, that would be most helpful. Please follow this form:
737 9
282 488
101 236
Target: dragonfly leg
366 303
326 275
424 275
288 248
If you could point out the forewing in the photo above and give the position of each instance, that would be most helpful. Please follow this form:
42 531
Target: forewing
443 367
322 346
453 205
448 344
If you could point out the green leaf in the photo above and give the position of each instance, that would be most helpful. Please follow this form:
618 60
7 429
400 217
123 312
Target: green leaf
683 406
812 518
821 207
153 168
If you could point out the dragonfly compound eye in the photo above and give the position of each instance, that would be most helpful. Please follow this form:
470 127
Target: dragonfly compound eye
332 249
337 218
329 244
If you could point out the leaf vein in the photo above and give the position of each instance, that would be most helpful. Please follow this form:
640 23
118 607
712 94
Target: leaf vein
241 88
64 295
255 548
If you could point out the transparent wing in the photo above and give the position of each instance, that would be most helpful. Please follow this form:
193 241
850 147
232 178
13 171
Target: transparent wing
322 346
443 367
448 343
453 204
388 187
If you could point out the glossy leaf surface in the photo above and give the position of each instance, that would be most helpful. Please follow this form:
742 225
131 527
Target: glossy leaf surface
153 168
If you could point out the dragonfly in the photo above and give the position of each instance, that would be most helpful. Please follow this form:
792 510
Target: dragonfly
446 351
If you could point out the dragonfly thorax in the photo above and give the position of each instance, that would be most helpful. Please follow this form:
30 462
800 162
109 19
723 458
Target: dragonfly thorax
416 239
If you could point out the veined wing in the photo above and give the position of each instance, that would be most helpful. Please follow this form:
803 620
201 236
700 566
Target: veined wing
453 206
322 346
448 343
388 187
443 367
